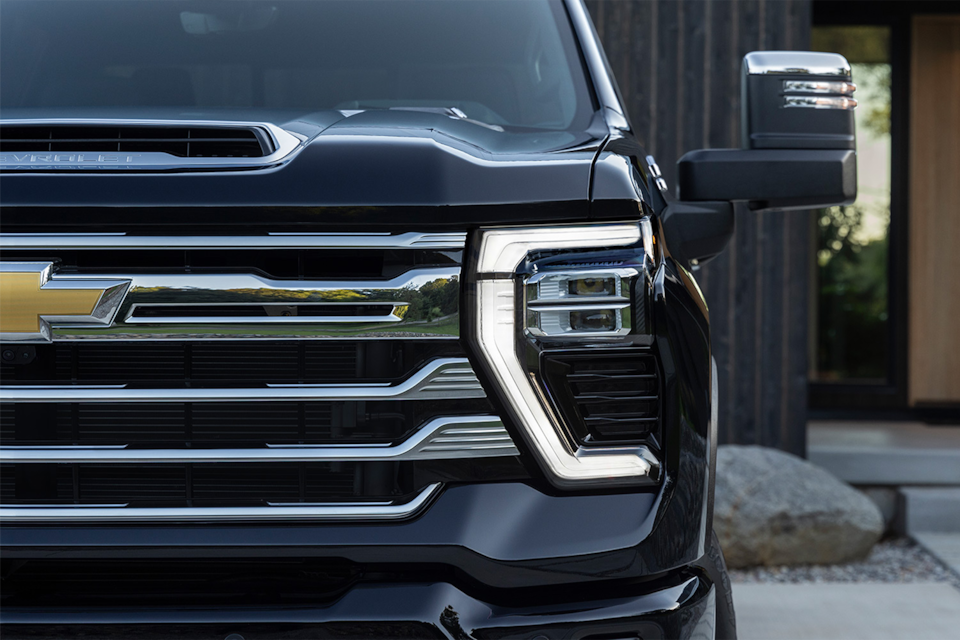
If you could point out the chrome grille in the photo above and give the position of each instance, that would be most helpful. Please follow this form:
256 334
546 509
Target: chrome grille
266 409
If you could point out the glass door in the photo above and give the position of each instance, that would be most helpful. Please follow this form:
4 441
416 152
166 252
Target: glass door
857 353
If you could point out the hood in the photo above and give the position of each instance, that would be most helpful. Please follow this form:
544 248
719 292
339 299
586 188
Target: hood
372 158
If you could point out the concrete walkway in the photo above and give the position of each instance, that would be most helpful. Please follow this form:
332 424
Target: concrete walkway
845 611
945 546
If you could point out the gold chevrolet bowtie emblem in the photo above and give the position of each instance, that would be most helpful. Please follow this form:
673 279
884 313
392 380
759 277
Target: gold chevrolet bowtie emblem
30 300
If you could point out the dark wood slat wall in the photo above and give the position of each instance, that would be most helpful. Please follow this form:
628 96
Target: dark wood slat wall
678 66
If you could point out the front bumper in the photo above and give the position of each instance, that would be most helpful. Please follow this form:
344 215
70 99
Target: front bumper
680 607
500 535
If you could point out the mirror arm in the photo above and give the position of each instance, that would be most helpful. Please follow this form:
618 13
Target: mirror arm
769 178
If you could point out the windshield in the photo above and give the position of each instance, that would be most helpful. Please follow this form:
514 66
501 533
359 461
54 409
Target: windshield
500 62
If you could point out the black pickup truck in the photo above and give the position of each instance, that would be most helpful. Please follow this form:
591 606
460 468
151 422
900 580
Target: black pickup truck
365 320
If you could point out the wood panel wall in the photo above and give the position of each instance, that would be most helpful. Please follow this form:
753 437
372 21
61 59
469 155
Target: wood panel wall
678 66
934 220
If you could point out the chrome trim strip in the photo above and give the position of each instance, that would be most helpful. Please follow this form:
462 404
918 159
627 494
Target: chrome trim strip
445 438
656 174
395 315
820 102
820 86
261 295
575 272
410 240
795 63
611 303
284 143
22 514
443 378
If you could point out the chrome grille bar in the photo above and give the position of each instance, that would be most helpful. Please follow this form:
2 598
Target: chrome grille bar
441 438
276 240
23 514
430 382
202 306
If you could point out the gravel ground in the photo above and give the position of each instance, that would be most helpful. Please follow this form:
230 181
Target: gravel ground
896 560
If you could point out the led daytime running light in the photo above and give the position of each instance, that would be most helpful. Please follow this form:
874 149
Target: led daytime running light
566 463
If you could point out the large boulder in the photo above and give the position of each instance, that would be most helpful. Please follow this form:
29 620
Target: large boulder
773 508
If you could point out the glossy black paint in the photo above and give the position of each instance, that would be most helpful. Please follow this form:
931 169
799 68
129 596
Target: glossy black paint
371 159
698 230
770 178
679 607
505 535
400 171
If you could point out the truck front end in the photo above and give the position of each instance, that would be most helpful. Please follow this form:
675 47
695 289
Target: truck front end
343 319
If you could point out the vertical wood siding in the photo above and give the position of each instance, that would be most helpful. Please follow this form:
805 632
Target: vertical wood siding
678 66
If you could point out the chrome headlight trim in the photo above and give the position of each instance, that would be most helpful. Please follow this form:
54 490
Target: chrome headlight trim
497 293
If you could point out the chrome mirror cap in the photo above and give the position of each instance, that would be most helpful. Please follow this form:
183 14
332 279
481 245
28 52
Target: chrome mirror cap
795 62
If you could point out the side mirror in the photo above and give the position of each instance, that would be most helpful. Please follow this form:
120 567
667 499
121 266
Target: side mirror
798 147
798 151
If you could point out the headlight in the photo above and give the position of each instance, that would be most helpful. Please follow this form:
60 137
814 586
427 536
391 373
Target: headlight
575 304
560 323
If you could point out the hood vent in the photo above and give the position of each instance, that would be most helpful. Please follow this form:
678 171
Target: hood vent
182 142
76 144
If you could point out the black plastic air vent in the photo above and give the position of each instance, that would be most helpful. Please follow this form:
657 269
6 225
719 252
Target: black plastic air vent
182 142
604 397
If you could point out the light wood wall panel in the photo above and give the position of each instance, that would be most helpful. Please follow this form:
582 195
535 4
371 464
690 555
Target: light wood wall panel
934 220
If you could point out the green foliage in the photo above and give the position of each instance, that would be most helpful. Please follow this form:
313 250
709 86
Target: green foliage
852 250
859 43
873 94
433 300
867 48
852 312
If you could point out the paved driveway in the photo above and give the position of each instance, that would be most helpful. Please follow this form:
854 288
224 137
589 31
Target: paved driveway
839 611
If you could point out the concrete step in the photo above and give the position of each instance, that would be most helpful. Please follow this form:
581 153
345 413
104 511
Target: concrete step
886 453
931 509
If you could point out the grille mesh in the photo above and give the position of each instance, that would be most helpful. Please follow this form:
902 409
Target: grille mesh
227 362
234 361
225 424
221 484
177 582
